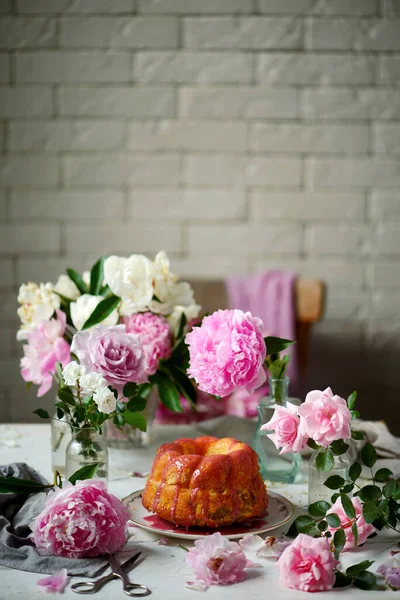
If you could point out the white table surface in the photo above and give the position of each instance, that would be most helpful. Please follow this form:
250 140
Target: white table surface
164 569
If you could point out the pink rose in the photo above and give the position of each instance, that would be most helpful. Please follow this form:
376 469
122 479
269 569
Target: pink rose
81 520
285 422
227 352
155 335
364 529
325 417
216 560
112 352
308 564
46 346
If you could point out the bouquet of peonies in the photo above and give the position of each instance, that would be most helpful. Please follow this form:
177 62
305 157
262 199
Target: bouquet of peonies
124 322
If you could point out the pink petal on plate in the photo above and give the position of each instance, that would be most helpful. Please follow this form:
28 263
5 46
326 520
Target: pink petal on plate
197 586
252 565
251 542
54 583
163 541
140 473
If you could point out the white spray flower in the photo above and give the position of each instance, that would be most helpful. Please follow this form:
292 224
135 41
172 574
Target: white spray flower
38 304
66 287
72 372
105 401
92 383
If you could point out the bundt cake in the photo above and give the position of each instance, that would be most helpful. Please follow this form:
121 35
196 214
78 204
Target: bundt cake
205 482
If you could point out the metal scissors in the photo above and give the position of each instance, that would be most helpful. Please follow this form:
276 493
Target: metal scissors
131 589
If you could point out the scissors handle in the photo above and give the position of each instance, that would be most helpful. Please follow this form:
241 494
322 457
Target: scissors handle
136 589
91 587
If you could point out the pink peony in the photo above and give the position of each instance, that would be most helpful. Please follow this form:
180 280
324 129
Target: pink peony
112 352
155 335
364 529
54 583
216 560
285 422
227 352
243 404
81 520
46 346
325 417
308 564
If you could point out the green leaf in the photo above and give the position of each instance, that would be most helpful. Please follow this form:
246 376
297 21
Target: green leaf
319 508
355 471
184 384
339 540
339 447
130 389
135 419
355 414
96 277
168 393
351 400
341 580
102 311
303 523
78 281
357 435
66 395
382 475
86 472
13 485
182 325
276 345
40 412
365 581
354 530
348 506
312 444
322 525
324 460
355 570
368 455
389 489
334 482
370 511
370 492
333 520
28 385
144 390
60 413
334 497
346 489
136 404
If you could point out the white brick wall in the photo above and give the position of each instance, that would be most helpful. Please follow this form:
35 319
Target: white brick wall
238 135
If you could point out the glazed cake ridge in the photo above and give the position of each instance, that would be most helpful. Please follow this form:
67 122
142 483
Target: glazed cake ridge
205 482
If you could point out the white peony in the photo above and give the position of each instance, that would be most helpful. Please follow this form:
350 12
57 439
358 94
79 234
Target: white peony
86 277
92 383
66 287
168 289
83 308
72 372
164 280
105 401
38 304
191 312
131 279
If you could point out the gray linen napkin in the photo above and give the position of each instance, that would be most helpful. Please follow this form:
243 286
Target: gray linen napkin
17 551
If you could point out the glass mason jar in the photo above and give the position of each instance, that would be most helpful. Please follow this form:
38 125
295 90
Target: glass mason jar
316 488
87 446
60 438
274 466
132 437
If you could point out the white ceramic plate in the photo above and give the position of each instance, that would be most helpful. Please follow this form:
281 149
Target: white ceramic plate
280 511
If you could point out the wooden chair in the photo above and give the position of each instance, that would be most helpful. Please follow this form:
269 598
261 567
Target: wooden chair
309 299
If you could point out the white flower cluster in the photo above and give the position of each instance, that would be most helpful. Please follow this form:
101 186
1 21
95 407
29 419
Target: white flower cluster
145 285
38 303
91 384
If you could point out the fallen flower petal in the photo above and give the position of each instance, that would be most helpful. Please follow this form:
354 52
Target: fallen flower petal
251 542
140 473
273 547
54 583
163 541
197 586
252 565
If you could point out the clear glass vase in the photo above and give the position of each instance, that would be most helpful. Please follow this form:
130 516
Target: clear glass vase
131 437
274 466
316 488
87 446
60 438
